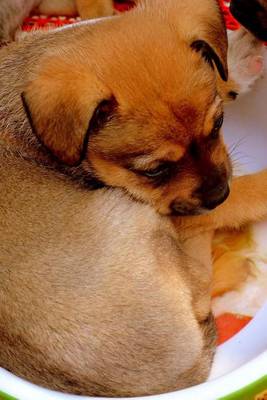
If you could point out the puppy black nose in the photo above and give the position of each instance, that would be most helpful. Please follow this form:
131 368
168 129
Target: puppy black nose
214 188
214 198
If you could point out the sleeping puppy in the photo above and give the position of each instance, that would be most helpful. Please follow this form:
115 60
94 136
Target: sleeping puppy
252 14
105 83
107 292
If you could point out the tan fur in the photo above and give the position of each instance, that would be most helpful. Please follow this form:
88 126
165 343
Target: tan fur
92 8
101 292
12 14
229 273
87 9
57 7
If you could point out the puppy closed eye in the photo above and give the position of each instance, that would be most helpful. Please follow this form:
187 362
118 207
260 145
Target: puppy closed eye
162 169
216 128
159 174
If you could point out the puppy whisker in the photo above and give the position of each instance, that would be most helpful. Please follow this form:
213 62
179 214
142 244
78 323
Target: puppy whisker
235 145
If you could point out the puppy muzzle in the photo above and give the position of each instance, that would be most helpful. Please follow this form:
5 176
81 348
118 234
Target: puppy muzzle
214 188
207 200
215 197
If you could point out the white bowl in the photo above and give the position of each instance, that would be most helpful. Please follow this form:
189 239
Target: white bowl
240 367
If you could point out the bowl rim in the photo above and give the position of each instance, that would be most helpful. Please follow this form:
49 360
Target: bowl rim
252 375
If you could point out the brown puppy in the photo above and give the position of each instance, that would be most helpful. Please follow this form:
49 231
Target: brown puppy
102 292
105 110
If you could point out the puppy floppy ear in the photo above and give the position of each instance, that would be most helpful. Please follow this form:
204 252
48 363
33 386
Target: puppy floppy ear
64 104
211 57
209 36
201 25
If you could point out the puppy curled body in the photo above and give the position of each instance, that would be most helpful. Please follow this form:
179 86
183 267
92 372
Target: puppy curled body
107 292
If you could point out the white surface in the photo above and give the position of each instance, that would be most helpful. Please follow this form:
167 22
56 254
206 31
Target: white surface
246 125
246 120
248 344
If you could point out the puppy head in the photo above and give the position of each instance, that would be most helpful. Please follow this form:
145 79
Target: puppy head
138 108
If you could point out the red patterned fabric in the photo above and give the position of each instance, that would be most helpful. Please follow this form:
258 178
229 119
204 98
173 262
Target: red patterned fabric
45 22
231 23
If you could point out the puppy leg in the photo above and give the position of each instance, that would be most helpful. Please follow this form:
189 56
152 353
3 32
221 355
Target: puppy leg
88 9
12 14
245 62
246 203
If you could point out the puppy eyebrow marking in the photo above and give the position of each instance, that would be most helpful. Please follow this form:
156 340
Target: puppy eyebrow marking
152 160
144 161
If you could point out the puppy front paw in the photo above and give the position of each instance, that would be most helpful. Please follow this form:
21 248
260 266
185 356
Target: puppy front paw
245 59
